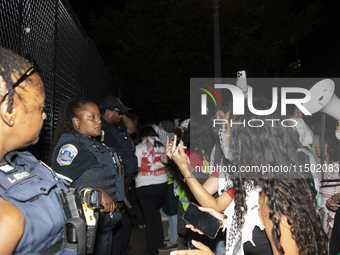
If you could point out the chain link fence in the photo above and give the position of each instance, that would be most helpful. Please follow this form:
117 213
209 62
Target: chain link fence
49 31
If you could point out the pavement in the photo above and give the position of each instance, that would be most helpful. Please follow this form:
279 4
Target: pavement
138 236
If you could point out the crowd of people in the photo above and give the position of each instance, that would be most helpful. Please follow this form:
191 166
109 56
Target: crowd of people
169 165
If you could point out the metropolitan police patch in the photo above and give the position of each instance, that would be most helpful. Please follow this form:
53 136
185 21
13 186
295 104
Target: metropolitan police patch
102 136
66 154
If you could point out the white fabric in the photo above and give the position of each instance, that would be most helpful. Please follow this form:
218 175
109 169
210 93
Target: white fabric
212 157
163 135
327 190
155 127
236 238
185 123
337 135
154 175
305 133
224 144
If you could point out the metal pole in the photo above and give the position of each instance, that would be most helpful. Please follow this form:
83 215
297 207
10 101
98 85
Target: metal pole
322 142
217 48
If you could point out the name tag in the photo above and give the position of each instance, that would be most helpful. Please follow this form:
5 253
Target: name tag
12 179
6 168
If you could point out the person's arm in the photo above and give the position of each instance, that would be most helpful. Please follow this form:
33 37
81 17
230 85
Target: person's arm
107 201
12 225
131 127
200 192
201 250
287 242
203 194
333 202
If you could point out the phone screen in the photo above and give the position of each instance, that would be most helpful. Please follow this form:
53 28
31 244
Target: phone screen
203 221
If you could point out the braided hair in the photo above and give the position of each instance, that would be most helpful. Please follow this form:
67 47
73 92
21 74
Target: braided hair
67 111
10 64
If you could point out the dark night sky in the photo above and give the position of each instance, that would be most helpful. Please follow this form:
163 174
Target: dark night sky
318 50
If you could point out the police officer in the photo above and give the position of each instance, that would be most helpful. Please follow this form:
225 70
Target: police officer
32 219
117 128
87 162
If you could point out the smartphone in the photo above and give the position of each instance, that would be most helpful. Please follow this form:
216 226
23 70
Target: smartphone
242 80
203 221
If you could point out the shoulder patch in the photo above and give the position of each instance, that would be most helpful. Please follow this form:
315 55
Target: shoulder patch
102 136
66 154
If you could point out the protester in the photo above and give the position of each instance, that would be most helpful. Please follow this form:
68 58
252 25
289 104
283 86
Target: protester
327 171
151 186
306 137
297 113
199 141
166 129
32 218
169 207
87 162
266 206
334 245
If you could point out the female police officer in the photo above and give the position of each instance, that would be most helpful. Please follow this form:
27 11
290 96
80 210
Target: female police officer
87 162
31 217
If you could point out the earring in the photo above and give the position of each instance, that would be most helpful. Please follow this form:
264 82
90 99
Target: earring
77 127
10 114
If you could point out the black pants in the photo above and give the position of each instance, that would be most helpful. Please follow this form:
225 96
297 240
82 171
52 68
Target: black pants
103 243
334 245
151 198
121 235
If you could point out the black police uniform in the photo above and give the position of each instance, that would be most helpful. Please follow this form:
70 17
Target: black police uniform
117 137
88 162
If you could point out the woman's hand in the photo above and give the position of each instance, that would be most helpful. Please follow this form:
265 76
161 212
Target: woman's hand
170 147
212 212
107 201
202 250
333 202
178 156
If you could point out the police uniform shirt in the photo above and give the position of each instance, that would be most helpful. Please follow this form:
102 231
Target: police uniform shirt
111 137
71 158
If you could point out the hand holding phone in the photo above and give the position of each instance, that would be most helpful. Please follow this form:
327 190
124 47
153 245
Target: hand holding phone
203 221
242 81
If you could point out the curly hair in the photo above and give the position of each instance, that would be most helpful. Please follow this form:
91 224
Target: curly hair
274 143
201 138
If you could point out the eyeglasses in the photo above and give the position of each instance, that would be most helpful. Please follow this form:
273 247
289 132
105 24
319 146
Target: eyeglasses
34 68
119 112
